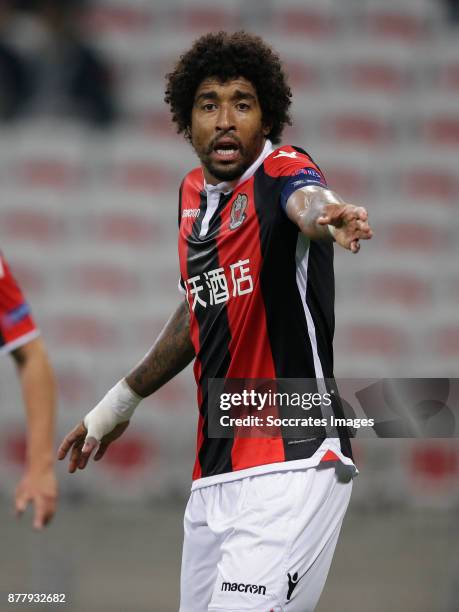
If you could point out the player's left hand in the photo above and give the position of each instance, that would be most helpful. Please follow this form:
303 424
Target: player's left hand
349 223
40 488
81 446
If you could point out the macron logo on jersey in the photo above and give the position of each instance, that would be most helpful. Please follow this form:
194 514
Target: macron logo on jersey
190 212
291 155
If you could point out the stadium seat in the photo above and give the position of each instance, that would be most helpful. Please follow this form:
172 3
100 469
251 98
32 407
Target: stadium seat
85 331
39 227
204 16
375 338
434 467
15 445
315 20
403 289
409 22
29 274
132 453
436 119
105 279
375 67
75 385
423 177
416 236
144 164
445 339
110 18
38 161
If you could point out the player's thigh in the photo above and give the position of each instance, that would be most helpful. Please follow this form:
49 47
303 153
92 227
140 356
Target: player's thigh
279 553
253 553
312 549
201 552
304 590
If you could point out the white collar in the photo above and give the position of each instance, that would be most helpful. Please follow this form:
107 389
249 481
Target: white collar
227 186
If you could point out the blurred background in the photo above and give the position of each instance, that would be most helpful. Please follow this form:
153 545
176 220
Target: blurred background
89 170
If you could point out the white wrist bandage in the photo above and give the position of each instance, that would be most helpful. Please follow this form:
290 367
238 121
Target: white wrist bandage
117 406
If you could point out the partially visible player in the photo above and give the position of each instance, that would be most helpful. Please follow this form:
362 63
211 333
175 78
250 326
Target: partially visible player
21 339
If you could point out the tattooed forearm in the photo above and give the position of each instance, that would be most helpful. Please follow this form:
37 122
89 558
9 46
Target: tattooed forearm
171 352
306 205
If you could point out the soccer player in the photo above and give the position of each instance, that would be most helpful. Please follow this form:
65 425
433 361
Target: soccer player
257 224
21 339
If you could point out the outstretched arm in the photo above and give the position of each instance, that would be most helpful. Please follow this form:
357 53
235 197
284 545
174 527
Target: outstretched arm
322 215
38 389
169 355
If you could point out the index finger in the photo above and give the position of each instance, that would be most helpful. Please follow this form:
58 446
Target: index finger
75 435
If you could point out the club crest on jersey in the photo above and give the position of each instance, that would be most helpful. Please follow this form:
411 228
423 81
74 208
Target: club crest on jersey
238 215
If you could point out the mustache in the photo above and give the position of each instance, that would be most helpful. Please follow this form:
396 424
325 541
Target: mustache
228 134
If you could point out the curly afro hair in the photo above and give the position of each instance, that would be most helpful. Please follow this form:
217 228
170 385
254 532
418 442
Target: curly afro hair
228 56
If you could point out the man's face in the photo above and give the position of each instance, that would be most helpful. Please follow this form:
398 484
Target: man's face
227 130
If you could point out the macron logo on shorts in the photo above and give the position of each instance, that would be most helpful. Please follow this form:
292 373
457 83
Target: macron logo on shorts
254 589
292 582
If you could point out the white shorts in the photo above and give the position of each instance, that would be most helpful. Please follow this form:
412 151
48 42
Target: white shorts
262 543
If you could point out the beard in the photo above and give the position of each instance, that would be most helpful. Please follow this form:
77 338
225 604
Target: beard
223 170
230 173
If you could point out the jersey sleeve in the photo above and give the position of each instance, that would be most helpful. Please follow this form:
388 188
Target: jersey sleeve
17 326
296 169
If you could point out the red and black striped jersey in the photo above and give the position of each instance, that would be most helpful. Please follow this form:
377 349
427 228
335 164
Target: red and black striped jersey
16 324
261 299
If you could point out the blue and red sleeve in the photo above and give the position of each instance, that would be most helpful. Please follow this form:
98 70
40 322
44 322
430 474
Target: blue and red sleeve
296 169
16 323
